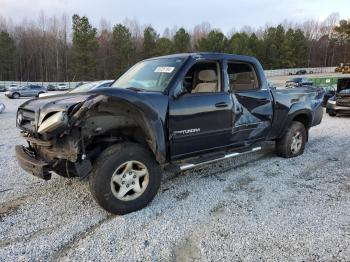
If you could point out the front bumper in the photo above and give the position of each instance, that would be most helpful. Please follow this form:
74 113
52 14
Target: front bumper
333 108
32 164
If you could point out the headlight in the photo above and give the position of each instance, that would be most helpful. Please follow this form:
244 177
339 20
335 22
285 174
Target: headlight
332 102
51 123
19 118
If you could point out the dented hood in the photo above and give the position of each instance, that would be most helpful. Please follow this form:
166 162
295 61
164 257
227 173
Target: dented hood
54 103
45 105
157 102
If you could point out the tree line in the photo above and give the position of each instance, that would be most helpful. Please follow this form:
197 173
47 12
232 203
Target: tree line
64 49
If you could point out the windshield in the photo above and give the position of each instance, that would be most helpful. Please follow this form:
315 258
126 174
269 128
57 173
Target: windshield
152 75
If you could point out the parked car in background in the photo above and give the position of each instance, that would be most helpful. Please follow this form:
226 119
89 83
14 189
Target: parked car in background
25 91
329 92
51 87
91 86
298 82
272 85
2 88
62 86
11 86
85 87
301 72
80 84
340 103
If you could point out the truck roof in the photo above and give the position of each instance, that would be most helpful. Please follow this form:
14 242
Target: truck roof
210 55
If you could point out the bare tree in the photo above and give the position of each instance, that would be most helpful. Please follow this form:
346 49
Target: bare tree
200 31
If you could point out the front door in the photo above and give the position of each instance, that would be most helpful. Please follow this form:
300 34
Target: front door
201 119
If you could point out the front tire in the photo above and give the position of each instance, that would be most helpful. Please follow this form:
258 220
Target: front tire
292 144
15 95
332 114
125 178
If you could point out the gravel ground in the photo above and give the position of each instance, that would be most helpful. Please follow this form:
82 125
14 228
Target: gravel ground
256 207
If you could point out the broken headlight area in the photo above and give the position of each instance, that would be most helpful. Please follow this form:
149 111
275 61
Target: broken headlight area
68 137
53 122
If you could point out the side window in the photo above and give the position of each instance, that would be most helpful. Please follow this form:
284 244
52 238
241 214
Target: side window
203 77
242 77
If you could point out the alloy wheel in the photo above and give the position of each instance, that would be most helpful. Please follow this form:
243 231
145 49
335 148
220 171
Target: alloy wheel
129 180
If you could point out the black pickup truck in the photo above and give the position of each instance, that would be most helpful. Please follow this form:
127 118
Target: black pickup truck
173 112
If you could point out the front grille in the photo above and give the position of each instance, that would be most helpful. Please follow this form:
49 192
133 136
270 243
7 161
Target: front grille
27 122
343 101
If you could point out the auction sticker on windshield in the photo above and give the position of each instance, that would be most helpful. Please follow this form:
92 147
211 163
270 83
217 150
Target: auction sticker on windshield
164 69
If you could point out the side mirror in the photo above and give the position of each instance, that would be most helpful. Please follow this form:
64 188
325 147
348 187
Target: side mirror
179 91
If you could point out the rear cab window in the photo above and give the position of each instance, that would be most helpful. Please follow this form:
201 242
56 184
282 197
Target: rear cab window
242 77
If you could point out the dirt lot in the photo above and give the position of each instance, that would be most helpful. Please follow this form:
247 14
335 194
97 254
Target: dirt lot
257 207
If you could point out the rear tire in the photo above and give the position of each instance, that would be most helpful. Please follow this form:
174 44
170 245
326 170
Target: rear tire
125 178
292 144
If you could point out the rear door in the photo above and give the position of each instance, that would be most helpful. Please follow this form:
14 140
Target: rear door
33 90
201 119
253 110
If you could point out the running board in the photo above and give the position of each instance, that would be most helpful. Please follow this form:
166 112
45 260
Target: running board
189 166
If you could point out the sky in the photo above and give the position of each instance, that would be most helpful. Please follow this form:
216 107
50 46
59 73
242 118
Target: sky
223 14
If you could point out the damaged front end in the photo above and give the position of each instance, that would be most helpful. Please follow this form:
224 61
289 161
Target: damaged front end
54 131
66 133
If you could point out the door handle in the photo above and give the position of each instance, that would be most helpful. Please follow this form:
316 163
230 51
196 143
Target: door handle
221 104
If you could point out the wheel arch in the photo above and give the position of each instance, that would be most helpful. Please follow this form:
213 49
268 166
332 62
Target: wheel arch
303 116
306 120
15 93
137 122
